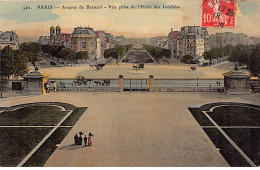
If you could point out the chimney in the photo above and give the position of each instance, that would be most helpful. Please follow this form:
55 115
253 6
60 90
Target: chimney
171 29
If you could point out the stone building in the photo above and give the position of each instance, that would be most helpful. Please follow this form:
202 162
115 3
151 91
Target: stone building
9 38
103 41
110 41
154 41
84 39
206 39
191 41
242 39
163 42
44 40
172 43
99 49
220 40
213 41
253 40
56 38
119 41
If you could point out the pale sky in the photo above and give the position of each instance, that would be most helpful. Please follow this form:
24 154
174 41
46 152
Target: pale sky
127 22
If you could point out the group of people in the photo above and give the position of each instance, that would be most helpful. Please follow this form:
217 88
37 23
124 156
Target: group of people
218 83
87 140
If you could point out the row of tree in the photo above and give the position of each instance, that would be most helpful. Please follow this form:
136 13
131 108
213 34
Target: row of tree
117 52
66 54
157 52
14 62
243 54
218 52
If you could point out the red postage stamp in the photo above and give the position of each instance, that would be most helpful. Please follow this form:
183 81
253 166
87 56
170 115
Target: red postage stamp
218 13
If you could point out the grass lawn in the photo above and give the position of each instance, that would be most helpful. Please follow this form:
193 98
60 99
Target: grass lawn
235 116
247 139
74 116
16 143
44 152
231 155
32 115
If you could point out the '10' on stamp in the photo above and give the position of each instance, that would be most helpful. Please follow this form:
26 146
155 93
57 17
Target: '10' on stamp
218 13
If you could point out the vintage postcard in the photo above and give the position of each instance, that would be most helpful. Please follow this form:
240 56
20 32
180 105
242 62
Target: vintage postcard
129 83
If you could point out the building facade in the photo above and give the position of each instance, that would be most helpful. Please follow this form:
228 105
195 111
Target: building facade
119 41
154 41
56 38
44 40
242 39
220 40
172 43
84 39
103 40
9 38
191 41
110 41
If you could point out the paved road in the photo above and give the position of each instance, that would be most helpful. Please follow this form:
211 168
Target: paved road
137 129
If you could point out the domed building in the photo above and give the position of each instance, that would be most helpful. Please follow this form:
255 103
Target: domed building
58 30
58 38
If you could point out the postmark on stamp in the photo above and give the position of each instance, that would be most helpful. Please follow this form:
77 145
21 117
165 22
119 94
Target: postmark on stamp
218 13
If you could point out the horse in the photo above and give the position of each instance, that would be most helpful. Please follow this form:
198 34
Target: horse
89 80
106 82
193 68
98 83
135 66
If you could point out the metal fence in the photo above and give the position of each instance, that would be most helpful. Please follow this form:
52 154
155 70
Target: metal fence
136 84
188 83
86 83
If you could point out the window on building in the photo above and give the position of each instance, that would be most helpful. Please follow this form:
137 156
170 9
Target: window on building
84 45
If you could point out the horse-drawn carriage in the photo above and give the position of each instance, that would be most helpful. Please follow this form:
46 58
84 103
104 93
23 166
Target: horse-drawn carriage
99 66
138 66
193 68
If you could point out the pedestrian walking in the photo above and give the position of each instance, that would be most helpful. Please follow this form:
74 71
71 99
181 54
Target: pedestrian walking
80 140
85 140
76 138
89 139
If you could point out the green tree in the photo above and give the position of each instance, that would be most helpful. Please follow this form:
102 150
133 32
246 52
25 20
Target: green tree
32 50
3 85
82 55
7 61
20 63
187 59
46 48
254 62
